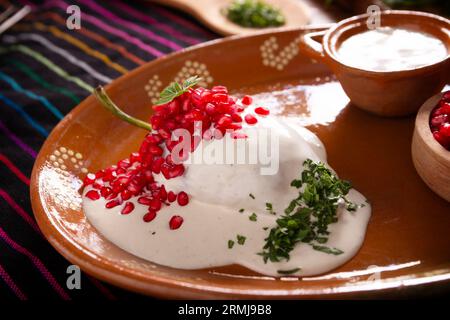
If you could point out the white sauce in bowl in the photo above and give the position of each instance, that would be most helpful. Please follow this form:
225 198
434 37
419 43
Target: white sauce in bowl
212 216
391 49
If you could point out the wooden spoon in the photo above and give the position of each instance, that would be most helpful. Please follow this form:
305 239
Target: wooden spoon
209 12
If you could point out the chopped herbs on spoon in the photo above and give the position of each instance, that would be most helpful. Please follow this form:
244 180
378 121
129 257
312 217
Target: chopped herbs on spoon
253 217
308 216
254 14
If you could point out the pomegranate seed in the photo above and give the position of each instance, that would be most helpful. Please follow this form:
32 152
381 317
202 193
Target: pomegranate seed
125 163
111 196
224 121
97 184
439 120
93 195
210 108
239 109
446 96
247 100
262 111
219 89
126 194
105 191
90 178
155 150
99 174
112 204
129 206
171 196
135 157
235 126
164 133
156 165
165 170
149 216
144 200
175 222
162 193
219 97
236 117
109 175
250 119
444 107
155 204
176 171
183 198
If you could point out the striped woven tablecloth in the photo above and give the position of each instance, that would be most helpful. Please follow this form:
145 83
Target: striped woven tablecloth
46 70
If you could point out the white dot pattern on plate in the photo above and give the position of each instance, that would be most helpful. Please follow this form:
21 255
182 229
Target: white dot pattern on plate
64 159
153 87
191 68
273 57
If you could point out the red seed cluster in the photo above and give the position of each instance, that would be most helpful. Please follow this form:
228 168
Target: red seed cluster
135 176
440 121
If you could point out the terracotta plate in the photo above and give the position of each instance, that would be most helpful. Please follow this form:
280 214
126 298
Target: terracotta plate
408 240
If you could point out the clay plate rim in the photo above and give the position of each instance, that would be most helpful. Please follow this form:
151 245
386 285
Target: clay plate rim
168 288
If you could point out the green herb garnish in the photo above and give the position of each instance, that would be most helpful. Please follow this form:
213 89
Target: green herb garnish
240 239
251 196
289 271
269 208
230 244
253 217
254 14
328 250
241 210
175 89
308 216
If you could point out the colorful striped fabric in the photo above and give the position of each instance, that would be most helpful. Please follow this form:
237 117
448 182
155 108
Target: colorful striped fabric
46 70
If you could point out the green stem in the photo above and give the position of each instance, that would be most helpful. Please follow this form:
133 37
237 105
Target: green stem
106 102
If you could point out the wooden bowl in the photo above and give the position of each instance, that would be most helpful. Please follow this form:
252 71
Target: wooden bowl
391 93
432 161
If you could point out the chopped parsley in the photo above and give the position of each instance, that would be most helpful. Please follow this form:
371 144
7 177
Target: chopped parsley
241 210
289 271
240 239
230 244
269 208
253 217
327 249
251 196
308 216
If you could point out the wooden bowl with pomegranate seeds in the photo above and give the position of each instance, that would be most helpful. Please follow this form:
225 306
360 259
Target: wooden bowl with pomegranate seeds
372 152
431 159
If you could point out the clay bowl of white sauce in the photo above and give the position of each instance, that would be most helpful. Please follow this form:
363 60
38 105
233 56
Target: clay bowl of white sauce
388 70
431 159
